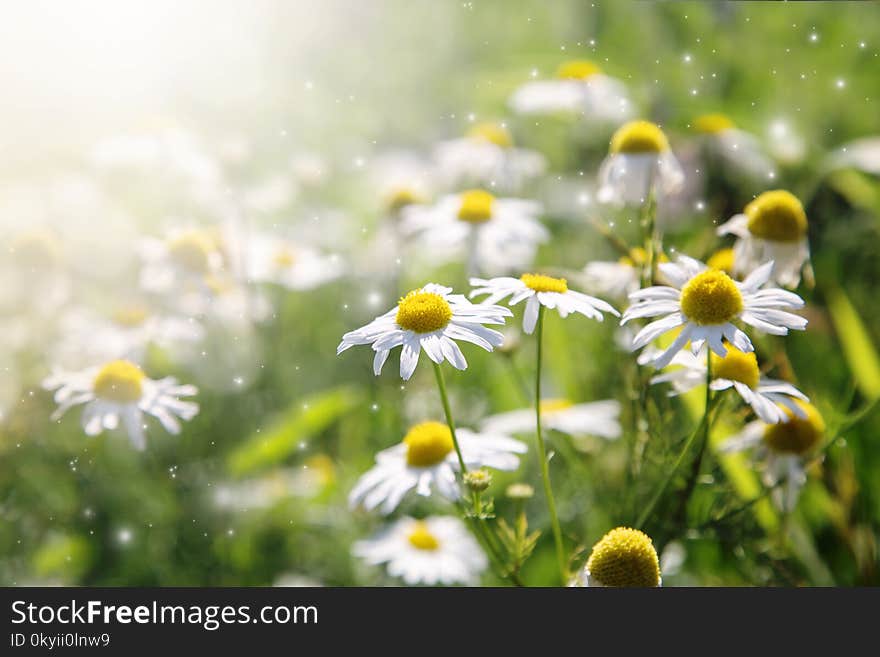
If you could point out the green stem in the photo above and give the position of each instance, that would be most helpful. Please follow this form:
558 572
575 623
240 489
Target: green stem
701 429
444 398
542 453
649 225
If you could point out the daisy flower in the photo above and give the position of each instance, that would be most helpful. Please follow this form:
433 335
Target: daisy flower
772 227
401 178
599 418
624 557
495 234
784 448
738 370
429 318
426 460
737 148
620 278
704 303
638 164
579 88
280 261
540 290
487 156
185 259
436 550
119 391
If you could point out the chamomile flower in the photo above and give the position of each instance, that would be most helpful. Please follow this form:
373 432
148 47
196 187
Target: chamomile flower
486 156
736 148
617 279
769 398
704 303
599 418
401 178
426 461
772 227
540 290
494 234
429 318
436 550
272 259
120 392
624 557
579 88
184 259
784 448
639 163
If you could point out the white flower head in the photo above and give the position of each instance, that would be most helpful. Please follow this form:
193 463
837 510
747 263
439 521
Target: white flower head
272 259
487 156
769 398
426 461
120 392
540 290
580 89
186 259
783 448
639 164
738 149
599 418
704 303
620 278
429 318
436 550
771 227
494 234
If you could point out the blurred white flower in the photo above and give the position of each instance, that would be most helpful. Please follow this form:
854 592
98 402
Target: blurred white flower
738 149
599 418
120 392
862 154
426 461
185 260
273 259
436 550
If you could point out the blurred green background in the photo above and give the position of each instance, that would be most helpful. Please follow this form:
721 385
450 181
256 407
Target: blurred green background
347 80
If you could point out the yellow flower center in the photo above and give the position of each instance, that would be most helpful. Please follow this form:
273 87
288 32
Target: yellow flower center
549 406
130 316
37 249
712 124
192 251
119 381
400 197
721 260
578 69
796 435
284 257
777 216
625 557
423 312
710 298
476 206
541 283
322 467
638 257
736 366
494 133
420 537
428 443
639 137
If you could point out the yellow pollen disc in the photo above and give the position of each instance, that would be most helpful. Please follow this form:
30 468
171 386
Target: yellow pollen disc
578 69
130 316
639 137
711 298
423 312
476 206
192 251
721 260
712 124
421 537
638 257
494 133
778 216
428 443
736 366
36 249
625 557
541 283
796 435
119 381
401 197
284 257
549 406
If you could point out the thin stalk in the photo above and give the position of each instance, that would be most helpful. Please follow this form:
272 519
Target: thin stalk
542 453
444 398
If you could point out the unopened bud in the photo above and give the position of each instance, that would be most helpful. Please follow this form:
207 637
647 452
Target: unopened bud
478 480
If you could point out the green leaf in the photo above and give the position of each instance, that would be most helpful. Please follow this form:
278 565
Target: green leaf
303 419
858 348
